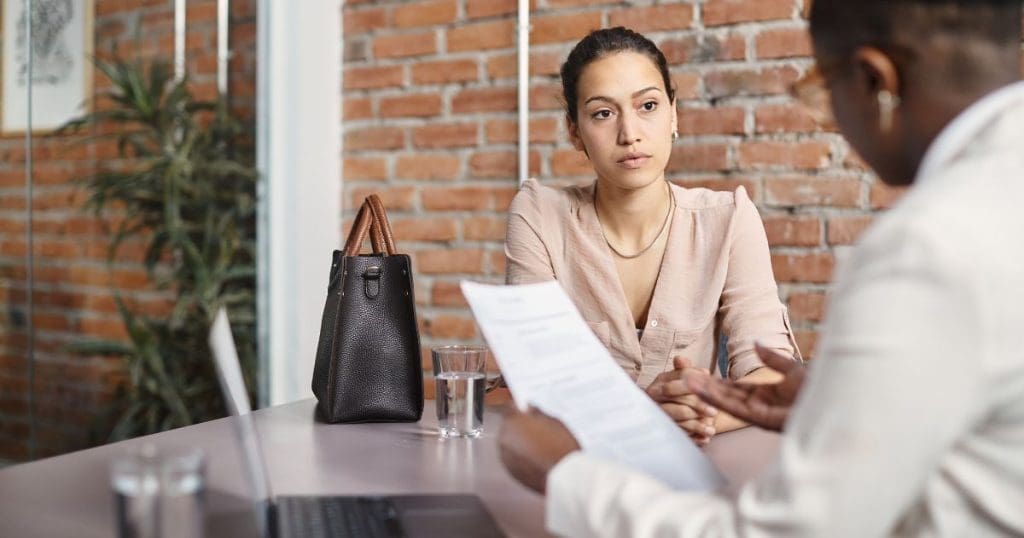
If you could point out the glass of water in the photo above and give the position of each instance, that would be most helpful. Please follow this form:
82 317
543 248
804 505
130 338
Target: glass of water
460 378
158 492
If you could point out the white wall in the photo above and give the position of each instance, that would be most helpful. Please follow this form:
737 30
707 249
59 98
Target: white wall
299 154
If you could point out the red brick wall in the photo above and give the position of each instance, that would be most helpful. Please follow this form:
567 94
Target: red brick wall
430 122
72 295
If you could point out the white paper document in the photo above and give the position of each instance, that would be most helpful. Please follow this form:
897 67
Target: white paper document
552 361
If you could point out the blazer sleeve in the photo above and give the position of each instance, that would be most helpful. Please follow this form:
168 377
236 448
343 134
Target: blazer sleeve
527 258
750 309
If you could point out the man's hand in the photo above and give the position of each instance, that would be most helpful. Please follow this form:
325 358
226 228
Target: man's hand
766 406
531 444
677 400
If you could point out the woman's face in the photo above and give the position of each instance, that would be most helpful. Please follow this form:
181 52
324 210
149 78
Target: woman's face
625 120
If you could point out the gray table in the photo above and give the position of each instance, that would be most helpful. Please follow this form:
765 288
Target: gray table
69 495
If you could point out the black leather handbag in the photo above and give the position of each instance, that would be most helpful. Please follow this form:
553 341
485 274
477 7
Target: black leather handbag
368 357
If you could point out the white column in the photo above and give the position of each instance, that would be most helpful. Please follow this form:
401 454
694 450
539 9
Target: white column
299 156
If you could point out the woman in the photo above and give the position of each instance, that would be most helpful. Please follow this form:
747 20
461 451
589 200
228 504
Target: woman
658 271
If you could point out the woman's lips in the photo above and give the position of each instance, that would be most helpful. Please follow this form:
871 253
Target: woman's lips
634 160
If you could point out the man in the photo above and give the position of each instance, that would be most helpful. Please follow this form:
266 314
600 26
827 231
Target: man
911 420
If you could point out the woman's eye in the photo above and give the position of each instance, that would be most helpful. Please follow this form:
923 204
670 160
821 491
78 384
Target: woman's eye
602 114
649 106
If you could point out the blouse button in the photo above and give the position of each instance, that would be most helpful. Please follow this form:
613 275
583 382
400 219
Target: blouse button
654 323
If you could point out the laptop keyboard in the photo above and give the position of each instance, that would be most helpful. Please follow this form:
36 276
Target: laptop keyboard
337 517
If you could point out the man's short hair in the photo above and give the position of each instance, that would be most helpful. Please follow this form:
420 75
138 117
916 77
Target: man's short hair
840 26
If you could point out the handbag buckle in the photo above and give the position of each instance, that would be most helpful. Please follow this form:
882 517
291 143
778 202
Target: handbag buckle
371 281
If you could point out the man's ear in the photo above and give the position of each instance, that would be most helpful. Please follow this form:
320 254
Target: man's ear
875 71
574 134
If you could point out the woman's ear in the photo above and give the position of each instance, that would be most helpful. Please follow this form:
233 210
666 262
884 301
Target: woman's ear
574 134
675 119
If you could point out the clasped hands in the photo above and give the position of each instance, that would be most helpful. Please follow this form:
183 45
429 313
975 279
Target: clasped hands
671 391
532 443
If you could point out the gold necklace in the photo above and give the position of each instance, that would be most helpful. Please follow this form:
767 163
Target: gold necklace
664 226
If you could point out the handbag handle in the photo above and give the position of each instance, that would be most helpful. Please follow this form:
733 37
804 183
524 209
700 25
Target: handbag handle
381 224
356 236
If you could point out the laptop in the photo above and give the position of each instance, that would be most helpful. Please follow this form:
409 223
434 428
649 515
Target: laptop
412 516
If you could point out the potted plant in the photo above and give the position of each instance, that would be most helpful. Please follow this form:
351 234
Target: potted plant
186 186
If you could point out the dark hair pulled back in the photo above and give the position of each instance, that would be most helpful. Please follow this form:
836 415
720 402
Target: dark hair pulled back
600 43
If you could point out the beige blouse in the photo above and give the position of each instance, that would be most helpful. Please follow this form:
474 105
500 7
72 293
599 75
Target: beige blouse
716 277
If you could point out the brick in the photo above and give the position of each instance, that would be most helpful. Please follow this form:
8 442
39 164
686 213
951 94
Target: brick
546 97
719 12
483 229
542 64
427 166
883 196
654 18
807 341
482 36
496 259
444 71
445 135
791 192
542 131
793 231
429 13
450 261
502 66
356 50
363 78
807 306
411 106
354 168
424 229
455 327
357 108
562 28
691 49
577 3
405 45
687 85
445 293
570 163
359 21
813 267
397 198
784 43
102 328
694 157
374 138
772 119
746 82
457 199
484 100
500 164
546 64
846 230
478 9
800 155
716 120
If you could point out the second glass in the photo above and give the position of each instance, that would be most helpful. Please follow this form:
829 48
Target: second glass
460 378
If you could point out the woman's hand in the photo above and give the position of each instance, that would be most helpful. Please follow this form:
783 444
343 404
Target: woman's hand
673 395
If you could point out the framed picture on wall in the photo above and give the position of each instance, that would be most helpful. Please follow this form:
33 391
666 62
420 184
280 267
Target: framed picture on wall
61 69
